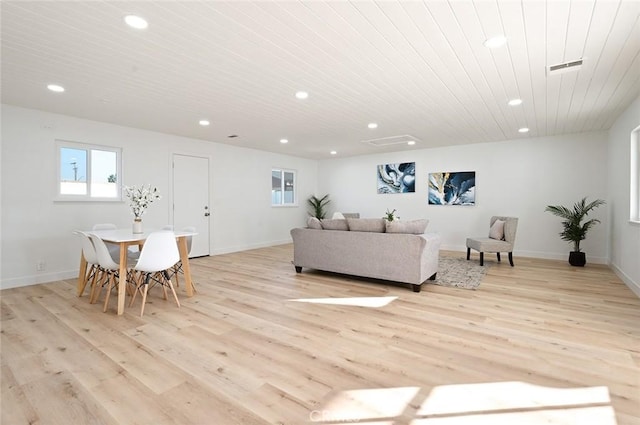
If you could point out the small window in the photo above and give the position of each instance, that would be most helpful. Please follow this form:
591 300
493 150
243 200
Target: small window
283 184
634 195
88 173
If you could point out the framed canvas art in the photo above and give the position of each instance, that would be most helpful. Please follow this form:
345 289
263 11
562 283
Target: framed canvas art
452 188
397 178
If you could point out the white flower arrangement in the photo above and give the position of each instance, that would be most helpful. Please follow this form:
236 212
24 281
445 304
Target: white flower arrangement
140 198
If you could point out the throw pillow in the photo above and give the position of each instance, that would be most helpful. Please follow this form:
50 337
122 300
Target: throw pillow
337 224
336 215
415 227
375 225
314 223
497 230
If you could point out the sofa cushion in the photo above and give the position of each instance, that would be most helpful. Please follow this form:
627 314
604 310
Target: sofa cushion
415 227
366 225
337 224
314 223
497 230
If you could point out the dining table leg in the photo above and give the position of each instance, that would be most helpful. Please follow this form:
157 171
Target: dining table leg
184 258
82 275
122 277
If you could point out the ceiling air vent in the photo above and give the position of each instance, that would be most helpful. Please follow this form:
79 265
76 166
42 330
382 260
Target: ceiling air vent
565 67
392 140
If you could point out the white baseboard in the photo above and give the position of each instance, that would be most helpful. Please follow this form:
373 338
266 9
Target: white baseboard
239 248
533 254
38 278
634 286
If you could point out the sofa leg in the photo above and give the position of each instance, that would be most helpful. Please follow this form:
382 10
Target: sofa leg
416 288
498 255
482 258
433 276
468 253
298 269
511 258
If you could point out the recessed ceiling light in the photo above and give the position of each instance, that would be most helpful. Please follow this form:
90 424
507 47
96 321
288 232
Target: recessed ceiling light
333 152
204 123
302 95
284 141
136 22
495 42
515 102
372 125
411 142
523 130
56 88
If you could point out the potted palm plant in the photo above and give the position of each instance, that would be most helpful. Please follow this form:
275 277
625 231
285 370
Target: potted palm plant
318 206
574 230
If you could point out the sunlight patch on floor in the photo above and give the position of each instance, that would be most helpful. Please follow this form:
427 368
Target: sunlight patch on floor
365 404
490 396
492 403
374 302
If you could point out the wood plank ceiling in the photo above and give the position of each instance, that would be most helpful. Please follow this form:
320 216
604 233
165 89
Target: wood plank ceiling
414 68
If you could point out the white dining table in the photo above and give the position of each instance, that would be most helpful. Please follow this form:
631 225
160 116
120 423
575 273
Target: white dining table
126 238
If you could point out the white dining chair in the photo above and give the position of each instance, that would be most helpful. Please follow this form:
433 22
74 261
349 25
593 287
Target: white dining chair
109 267
159 253
93 272
114 250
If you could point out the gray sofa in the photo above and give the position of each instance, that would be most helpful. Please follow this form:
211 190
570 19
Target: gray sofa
374 253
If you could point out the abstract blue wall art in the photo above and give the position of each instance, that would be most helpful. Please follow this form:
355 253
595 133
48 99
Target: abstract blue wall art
452 188
397 178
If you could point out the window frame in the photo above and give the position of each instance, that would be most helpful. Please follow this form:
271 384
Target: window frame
282 172
89 148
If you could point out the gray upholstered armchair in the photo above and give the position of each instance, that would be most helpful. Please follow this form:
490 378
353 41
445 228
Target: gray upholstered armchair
502 235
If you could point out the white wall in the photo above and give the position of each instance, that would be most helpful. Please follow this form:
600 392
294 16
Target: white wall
516 178
35 228
625 236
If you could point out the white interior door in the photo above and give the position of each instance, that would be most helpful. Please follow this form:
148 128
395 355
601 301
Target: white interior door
191 199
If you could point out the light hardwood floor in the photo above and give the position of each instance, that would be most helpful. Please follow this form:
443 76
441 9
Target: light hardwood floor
537 343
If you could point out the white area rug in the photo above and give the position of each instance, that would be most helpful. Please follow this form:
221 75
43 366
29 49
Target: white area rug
460 273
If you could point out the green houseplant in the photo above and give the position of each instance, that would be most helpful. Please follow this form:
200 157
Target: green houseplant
574 230
390 216
318 206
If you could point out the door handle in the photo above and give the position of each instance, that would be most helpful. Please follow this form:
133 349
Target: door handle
207 214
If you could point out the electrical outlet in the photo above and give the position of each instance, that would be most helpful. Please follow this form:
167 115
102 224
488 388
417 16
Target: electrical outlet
41 265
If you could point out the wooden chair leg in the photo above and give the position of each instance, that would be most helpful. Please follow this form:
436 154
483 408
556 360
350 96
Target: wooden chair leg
482 258
138 282
95 281
144 298
174 292
109 286
498 255
468 253
511 258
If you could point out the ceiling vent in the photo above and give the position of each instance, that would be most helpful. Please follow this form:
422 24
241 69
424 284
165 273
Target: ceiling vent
392 140
565 67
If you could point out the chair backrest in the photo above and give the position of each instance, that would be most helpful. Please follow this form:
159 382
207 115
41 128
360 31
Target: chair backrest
88 250
510 227
104 226
189 238
104 257
159 252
